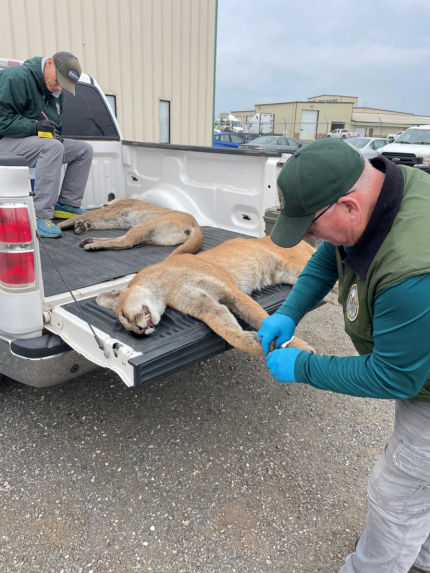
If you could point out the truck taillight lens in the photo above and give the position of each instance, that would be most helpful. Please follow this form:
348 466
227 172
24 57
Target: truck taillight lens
17 255
17 268
14 225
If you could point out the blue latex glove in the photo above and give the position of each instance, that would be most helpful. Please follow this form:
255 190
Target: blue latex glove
281 364
278 326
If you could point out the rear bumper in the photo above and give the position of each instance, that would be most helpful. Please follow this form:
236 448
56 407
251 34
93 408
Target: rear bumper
41 362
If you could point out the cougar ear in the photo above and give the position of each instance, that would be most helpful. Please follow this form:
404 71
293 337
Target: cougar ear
108 299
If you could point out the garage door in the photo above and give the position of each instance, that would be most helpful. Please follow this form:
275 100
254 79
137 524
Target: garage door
308 126
361 131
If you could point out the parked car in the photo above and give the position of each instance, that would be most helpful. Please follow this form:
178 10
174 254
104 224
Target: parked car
273 143
368 146
342 134
411 148
393 136
230 140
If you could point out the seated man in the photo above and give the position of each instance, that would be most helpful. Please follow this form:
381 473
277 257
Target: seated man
31 101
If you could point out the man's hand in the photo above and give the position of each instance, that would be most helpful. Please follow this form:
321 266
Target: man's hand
278 326
281 364
46 125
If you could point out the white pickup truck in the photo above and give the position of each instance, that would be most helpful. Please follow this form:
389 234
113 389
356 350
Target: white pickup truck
44 336
342 134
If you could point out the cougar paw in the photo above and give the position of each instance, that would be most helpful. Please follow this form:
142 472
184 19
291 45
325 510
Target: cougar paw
298 343
92 246
254 344
82 227
86 242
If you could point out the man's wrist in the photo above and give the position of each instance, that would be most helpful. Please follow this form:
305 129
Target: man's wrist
286 311
300 366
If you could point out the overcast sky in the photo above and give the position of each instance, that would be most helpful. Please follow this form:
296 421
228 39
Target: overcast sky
280 50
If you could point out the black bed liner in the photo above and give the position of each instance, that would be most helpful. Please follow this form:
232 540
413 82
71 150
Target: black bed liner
82 268
179 340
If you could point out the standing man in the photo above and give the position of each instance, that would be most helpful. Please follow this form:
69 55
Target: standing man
31 101
374 219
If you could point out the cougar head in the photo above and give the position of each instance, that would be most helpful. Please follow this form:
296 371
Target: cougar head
134 308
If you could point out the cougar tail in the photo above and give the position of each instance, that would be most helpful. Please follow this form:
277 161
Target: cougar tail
192 244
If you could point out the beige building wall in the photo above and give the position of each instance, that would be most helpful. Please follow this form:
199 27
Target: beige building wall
290 114
242 115
141 51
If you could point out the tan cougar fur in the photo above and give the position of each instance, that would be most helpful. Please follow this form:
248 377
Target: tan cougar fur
210 286
148 226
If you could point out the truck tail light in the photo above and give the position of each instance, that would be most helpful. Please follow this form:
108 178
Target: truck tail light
16 246
17 268
14 225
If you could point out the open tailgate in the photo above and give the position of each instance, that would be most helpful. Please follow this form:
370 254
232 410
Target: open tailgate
178 341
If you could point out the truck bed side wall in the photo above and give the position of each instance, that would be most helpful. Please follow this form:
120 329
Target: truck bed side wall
230 190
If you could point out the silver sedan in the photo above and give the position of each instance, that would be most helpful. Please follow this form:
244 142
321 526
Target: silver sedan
368 145
273 143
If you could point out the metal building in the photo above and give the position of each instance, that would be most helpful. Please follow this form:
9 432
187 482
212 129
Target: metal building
155 58
315 117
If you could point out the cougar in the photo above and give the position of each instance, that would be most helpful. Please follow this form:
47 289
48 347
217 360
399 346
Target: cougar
210 286
148 226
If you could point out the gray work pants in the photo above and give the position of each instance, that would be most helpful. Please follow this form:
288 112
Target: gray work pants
397 532
47 156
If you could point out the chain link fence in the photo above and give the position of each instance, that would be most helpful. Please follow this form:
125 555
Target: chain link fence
309 131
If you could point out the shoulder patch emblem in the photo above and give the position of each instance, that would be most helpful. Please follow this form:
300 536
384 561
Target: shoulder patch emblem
281 198
57 105
352 304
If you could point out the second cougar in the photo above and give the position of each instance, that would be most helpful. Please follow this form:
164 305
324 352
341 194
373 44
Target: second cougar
148 225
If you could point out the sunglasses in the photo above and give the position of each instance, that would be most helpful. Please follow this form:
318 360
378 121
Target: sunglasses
329 207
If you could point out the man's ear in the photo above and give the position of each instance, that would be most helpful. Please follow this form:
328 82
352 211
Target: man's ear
108 299
352 206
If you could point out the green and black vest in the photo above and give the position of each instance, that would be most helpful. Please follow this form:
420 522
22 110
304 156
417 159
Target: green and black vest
394 246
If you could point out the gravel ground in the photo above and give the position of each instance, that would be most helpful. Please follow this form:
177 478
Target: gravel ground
216 469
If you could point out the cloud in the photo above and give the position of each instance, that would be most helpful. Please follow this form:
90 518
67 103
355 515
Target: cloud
274 50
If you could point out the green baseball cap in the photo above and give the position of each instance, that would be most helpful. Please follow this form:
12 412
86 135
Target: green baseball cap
68 70
315 176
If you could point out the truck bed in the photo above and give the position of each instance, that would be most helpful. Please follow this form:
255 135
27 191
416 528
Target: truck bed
179 340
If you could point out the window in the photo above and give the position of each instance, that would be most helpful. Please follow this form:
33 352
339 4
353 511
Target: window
86 116
379 143
164 121
236 139
224 137
282 141
112 102
415 136
293 143
266 140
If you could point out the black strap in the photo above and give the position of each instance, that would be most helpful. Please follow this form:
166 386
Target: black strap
99 342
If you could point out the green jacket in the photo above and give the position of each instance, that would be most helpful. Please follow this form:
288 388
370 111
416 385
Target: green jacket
400 256
23 96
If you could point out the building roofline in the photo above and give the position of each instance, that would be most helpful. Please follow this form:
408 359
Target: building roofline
336 95
308 102
379 109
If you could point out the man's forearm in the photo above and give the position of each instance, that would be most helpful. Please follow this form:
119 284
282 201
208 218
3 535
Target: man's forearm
17 126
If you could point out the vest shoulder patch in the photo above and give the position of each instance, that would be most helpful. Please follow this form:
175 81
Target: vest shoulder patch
352 304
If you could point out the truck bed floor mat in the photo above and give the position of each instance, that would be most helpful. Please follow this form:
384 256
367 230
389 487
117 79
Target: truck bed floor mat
81 268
